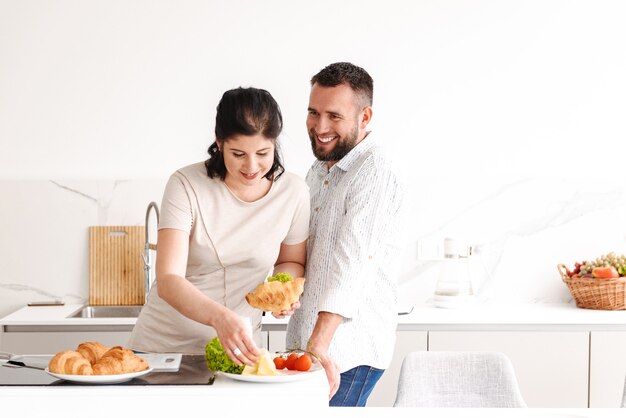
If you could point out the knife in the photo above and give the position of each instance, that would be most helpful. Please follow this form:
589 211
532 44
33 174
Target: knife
31 362
20 364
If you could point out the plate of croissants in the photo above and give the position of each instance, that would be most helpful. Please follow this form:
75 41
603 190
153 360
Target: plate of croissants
96 363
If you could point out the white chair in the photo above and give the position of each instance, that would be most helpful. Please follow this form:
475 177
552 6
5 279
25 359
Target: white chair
624 395
472 379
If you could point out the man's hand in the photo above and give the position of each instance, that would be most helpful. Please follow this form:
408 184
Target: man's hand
332 374
325 327
282 314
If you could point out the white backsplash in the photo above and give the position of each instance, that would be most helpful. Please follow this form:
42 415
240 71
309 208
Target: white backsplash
45 242
521 229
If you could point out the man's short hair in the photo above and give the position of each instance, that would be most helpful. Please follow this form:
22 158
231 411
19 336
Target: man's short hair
344 72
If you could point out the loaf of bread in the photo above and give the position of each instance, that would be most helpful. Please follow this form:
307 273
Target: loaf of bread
276 296
93 358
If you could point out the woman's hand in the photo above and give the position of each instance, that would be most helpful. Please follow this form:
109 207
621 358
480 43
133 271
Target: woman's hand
282 314
234 335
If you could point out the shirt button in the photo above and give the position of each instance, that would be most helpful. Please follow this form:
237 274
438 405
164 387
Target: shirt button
317 209
325 182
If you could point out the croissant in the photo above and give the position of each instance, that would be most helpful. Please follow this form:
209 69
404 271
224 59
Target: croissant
119 360
93 358
92 351
276 296
70 362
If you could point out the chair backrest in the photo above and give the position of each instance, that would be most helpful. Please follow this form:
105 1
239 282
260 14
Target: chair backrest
450 379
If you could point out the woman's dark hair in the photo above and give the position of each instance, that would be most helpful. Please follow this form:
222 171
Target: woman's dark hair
246 111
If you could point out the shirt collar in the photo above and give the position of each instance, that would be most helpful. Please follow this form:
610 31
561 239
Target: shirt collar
346 162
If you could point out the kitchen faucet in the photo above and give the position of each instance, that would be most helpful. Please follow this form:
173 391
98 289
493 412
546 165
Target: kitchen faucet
147 262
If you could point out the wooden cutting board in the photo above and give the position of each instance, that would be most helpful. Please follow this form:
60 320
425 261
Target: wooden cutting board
116 275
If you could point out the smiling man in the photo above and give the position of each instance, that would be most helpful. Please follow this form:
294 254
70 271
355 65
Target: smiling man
348 309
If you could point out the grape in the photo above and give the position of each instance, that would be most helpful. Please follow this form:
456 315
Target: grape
606 260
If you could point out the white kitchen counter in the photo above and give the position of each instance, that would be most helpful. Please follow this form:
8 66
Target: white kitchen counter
245 400
225 395
478 317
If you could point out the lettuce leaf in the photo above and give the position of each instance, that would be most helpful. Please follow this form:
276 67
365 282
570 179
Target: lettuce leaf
217 360
281 277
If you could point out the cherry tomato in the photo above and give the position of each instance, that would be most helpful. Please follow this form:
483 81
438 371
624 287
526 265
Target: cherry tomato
303 363
291 360
280 362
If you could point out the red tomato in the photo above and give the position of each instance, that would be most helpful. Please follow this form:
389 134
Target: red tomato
280 363
291 360
303 363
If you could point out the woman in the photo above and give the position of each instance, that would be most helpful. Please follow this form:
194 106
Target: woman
224 224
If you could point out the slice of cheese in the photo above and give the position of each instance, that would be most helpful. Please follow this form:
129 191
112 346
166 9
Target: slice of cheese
250 369
264 366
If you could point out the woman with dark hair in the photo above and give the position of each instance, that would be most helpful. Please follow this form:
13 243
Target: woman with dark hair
225 225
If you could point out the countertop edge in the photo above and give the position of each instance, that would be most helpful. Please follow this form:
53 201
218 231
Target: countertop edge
487 316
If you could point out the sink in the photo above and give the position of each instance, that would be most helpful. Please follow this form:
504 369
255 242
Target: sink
130 311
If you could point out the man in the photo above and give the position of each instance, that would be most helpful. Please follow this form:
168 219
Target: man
348 309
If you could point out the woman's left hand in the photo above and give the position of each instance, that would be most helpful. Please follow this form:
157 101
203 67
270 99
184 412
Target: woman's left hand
282 314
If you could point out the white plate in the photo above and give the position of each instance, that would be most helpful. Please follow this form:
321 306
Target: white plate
284 376
99 380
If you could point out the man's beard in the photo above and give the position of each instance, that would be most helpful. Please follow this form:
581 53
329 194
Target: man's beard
342 147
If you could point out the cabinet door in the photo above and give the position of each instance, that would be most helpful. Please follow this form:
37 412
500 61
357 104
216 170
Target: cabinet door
607 369
53 342
277 341
264 339
551 367
384 393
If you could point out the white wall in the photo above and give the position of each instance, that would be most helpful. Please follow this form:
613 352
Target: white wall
506 117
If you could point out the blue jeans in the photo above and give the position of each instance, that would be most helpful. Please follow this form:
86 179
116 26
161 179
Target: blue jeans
356 386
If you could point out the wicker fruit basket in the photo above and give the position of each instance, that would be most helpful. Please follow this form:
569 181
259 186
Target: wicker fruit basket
593 293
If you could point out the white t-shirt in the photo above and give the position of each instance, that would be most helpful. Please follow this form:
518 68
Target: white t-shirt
233 246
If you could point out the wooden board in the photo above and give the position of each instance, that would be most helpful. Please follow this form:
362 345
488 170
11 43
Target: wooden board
116 275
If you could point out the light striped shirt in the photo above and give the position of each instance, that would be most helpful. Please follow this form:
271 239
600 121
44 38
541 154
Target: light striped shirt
354 246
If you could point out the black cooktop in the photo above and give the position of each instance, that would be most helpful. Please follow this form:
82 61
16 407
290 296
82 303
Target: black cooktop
193 371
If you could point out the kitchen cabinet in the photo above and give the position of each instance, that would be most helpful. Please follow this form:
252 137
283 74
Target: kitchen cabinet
552 367
384 393
40 341
276 341
607 369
